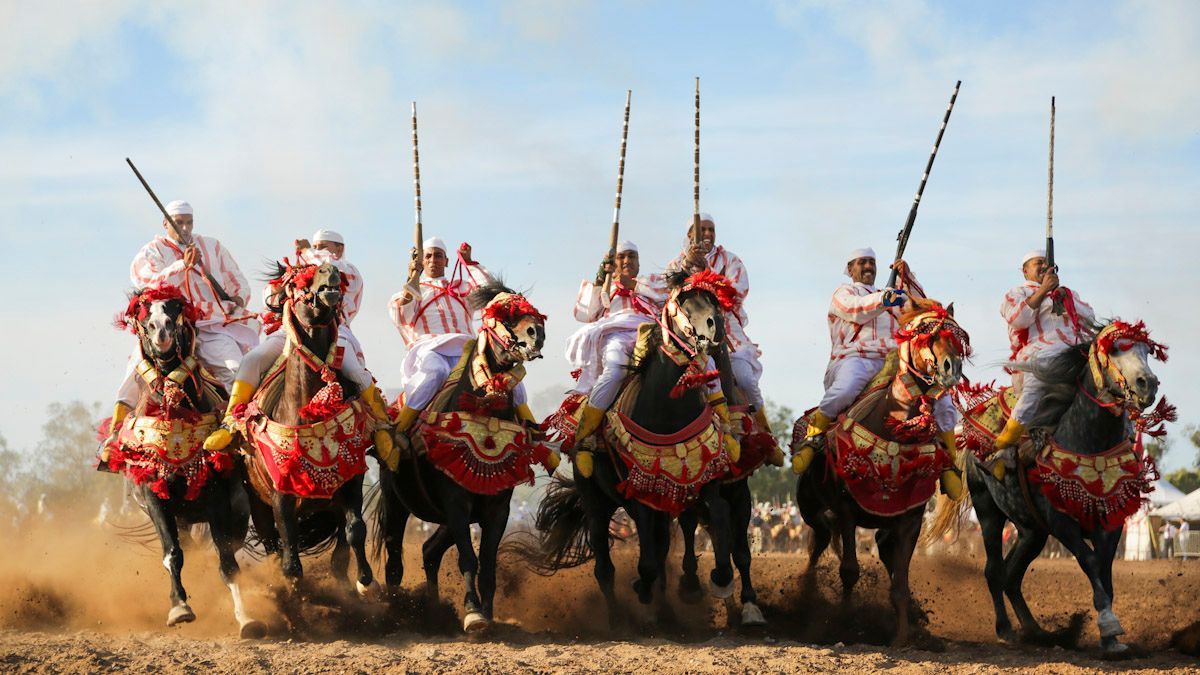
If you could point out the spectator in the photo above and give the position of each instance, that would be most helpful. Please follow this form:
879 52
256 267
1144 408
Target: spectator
1168 542
1182 536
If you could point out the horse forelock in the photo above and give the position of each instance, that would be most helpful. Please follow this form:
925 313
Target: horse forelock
481 296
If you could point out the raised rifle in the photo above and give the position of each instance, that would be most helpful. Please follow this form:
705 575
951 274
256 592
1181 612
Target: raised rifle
418 229
696 174
224 297
1055 297
902 238
616 224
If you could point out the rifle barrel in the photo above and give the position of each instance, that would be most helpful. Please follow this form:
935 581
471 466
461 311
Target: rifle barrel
902 238
616 224
1050 196
696 173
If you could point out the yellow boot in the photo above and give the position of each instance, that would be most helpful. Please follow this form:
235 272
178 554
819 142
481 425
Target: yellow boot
405 419
1010 435
732 447
220 439
583 463
776 458
385 448
818 423
120 411
951 477
524 414
589 421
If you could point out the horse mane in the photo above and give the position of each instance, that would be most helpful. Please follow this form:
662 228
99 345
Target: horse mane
919 306
480 297
273 271
1060 375
676 278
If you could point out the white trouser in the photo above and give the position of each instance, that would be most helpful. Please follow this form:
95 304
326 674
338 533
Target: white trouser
220 353
1029 388
352 345
844 381
746 372
431 374
260 359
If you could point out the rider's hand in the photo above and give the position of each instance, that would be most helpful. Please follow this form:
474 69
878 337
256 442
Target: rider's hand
606 268
189 256
901 268
413 265
1049 283
465 251
697 257
893 297
302 244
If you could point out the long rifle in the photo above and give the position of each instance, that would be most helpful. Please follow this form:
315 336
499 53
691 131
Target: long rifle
616 224
1050 199
696 174
221 294
902 238
418 229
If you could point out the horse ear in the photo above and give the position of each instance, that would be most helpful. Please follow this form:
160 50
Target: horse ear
950 309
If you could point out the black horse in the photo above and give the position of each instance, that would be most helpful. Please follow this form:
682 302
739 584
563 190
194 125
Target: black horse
1086 412
159 447
573 518
514 333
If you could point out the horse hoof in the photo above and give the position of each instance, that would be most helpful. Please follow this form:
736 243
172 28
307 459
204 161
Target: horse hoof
752 615
253 630
1115 650
1109 625
474 622
368 591
180 614
721 592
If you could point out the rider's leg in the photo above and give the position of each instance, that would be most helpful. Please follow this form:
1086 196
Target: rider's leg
419 390
844 381
220 353
253 366
947 416
616 362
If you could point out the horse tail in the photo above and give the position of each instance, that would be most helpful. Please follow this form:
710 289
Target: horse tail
947 518
318 531
562 540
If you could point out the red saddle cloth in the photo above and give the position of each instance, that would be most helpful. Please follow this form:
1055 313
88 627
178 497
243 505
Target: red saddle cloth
483 454
1097 491
884 477
757 444
311 460
153 450
666 472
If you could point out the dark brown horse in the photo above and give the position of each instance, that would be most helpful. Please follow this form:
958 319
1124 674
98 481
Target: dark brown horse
306 444
158 446
447 478
861 481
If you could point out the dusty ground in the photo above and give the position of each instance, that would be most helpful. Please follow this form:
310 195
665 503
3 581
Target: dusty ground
87 601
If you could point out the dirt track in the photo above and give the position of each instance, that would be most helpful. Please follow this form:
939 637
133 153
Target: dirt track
91 602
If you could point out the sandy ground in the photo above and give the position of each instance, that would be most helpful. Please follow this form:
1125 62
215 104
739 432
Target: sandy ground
88 601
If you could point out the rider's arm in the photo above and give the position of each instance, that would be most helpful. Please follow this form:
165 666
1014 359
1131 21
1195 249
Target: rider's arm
589 305
150 267
945 413
256 363
1015 310
855 308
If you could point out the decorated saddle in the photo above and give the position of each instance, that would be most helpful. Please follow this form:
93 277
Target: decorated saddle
1097 491
154 448
985 409
664 471
482 453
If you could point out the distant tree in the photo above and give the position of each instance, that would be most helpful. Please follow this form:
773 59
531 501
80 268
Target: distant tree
62 463
1193 434
1187 480
776 484
1157 447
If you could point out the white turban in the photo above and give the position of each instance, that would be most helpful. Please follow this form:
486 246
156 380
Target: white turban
627 246
1035 253
705 217
329 236
860 253
434 242
179 208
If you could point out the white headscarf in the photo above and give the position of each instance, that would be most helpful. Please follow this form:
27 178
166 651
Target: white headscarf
627 246
857 253
435 242
1035 253
179 208
329 236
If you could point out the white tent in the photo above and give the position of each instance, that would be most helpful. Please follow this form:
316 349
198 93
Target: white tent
1140 539
1187 508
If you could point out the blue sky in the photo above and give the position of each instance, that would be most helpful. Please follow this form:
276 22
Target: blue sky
276 118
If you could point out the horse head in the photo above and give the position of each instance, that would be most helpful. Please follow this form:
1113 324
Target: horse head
314 291
1119 362
696 307
163 320
515 331
932 344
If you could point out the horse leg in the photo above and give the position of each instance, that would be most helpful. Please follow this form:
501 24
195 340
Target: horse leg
457 503
810 510
991 528
339 559
721 578
1025 550
1068 532
432 552
885 540
289 541
263 518
904 542
689 583
220 523
392 520
599 514
741 504
647 554
163 517
848 569
493 526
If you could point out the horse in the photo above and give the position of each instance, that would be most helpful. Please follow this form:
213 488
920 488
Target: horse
158 447
1088 476
757 448
667 448
882 462
470 447
306 432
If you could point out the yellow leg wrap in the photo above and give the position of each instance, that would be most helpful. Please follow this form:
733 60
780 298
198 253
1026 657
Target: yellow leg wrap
951 479
552 462
802 459
405 419
525 414
221 438
589 421
1011 434
998 469
583 463
385 447
818 423
120 411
